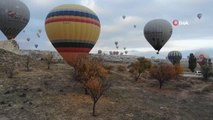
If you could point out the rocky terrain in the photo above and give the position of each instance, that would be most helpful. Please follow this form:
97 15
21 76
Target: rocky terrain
42 94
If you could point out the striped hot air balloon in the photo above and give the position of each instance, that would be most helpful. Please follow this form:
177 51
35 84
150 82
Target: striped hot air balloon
174 57
14 16
73 30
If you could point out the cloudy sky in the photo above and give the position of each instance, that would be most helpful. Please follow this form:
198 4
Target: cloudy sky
197 35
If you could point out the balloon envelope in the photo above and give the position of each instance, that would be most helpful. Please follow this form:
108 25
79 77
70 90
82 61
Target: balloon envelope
14 16
199 15
200 56
174 57
157 32
73 30
36 45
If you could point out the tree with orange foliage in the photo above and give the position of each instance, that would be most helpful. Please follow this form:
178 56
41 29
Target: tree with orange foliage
92 74
97 88
178 69
162 72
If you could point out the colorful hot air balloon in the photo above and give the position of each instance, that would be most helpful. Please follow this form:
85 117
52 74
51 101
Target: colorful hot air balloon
174 57
14 16
157 32
199 15
201 56
73 30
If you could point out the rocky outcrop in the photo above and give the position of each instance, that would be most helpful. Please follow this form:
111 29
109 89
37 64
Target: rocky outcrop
10 45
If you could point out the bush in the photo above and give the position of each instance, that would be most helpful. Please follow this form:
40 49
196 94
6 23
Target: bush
208 88
140 66
121 68
9 68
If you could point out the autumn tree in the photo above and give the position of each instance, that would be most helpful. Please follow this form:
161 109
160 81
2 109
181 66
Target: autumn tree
206 69
93 76
97 87
192 62
162 72
178 69
140 66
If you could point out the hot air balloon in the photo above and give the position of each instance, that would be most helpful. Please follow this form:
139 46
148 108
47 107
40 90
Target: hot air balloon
13 18
36 45
199 15
201 56
38 35
116 43
73 30
28 39
99 51
134 26
39 31
126 52
123 16
157 32
124 48
174 57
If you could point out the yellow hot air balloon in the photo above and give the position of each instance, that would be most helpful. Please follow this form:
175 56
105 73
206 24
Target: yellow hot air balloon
73 30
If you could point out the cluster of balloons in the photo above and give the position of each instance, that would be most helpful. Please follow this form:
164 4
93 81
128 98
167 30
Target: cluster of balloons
74 29
124 17
116 45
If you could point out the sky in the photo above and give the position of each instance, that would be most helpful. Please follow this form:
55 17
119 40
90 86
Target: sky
195 35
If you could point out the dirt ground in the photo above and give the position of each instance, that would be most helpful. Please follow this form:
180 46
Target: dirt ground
42 94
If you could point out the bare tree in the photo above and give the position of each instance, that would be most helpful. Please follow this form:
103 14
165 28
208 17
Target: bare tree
140 66
27 62
48 58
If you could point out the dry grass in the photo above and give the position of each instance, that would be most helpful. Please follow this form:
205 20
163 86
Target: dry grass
42 94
